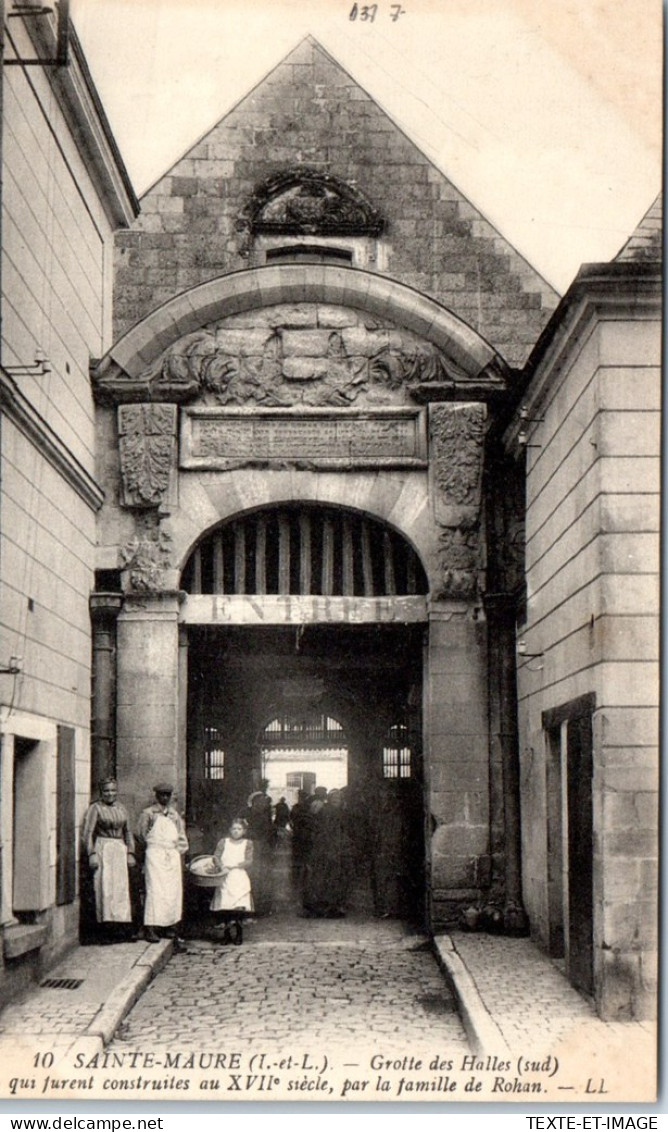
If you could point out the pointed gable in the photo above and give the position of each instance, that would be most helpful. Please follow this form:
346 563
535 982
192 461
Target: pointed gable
646 242
310 113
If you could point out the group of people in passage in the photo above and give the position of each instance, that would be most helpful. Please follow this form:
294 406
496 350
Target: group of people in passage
324 850
160 839
323 860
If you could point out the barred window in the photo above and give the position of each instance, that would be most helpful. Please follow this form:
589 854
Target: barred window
397 753
214 754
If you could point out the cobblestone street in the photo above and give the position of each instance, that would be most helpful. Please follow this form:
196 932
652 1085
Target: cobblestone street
359 984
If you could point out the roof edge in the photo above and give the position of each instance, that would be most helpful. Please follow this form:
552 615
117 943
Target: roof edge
80 102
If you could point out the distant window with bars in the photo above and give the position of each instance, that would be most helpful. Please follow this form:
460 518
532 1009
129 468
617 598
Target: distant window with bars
305 550
214 755
300 780
397 755
303 731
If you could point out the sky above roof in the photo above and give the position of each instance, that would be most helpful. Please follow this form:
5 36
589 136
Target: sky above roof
546 114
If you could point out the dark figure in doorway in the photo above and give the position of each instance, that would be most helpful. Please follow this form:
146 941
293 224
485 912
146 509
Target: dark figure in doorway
360 845
328 868
281 817
261 832
109 846
301 838
397 860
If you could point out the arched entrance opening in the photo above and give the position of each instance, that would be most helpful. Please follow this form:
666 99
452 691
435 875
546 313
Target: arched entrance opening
311 678
300 751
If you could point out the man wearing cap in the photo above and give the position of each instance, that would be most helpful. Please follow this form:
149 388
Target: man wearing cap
162 834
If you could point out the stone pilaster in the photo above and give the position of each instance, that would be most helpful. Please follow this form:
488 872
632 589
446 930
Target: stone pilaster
148 697
457 758
504 749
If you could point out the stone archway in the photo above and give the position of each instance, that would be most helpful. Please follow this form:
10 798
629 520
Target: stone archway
299 387
298 613
124 369
367 677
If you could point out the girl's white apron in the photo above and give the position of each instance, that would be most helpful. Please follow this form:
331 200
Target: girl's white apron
235 891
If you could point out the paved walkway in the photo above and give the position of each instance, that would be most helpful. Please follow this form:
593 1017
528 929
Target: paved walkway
516 999
95 988
358 988
328 984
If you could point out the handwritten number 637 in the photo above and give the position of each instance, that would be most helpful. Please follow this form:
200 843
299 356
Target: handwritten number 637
367 12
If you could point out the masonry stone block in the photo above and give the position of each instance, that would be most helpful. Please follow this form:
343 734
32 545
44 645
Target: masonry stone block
630 387
635 343
619 986
621 881
633 926
629 811
627 593
638 773
245 342
629 434
631 842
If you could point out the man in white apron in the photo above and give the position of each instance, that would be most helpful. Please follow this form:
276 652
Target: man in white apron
162 834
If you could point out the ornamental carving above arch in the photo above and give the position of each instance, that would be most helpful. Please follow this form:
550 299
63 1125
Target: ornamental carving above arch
306 201
310 354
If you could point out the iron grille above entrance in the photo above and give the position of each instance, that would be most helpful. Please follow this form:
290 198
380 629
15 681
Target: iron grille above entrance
305 550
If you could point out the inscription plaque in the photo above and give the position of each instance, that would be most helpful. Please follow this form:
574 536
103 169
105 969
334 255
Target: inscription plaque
218 438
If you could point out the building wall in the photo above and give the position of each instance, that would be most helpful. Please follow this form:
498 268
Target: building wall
592 550
310 112
56 291
56 259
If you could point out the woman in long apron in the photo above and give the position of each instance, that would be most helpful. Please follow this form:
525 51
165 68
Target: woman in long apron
109 846
163 837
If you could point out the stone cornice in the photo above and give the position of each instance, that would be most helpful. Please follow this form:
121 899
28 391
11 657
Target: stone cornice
16 406
610 291
81 105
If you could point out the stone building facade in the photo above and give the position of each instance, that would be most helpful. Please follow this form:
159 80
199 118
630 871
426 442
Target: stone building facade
333 402
293 451
316 434
64 192
588 681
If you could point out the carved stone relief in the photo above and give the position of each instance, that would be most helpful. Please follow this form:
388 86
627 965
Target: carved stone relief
460 556
456 442
276 359
507 527
310 202
147 447
456 454
147 556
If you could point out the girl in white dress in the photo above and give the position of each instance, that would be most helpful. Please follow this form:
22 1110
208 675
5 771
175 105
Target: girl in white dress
232 898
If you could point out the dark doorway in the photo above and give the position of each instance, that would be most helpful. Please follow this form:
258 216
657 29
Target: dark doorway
570 843
258 692
580 853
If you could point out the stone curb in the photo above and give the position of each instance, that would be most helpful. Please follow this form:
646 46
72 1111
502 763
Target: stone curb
481 1029
122 999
